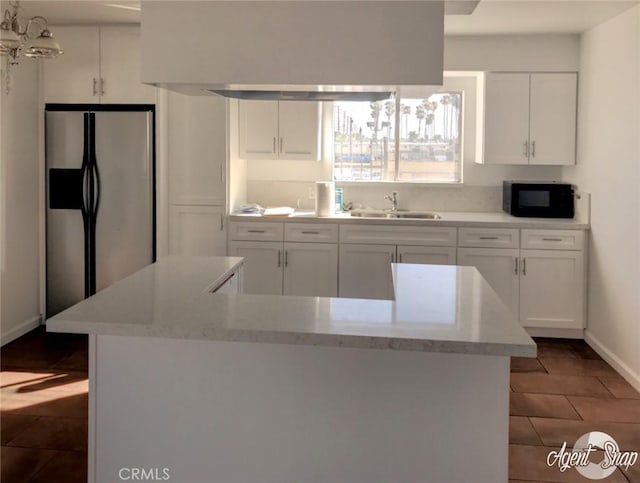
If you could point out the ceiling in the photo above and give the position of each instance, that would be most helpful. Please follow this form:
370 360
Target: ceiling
489 16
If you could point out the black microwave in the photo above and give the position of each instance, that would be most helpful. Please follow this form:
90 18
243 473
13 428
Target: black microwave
538 199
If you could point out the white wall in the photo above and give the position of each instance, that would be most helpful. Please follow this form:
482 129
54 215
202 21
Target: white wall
609 168
20 203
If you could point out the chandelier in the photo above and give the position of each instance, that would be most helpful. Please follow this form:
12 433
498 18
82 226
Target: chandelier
35 40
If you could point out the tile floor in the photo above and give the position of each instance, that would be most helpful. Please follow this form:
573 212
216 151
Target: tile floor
567 391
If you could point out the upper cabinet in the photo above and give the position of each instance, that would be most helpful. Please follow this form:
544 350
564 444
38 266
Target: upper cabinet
530 118
99 65
280 130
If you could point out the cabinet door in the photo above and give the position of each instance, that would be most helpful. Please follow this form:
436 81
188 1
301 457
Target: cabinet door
262 266
311 269
70 77
553 118
506 119
120 67
428 255
197 149
197 230
552 288
258 129
365 271
499 267
299 130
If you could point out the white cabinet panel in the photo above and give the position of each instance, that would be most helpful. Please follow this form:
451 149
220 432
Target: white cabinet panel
499 266
506 119
552 289
258 129
397 235
256 231
197 230
262 266
365 271
120 66
428 255
311 232
311 269
70 77
553 118
530 118
279 130
489 237
553 239
299 133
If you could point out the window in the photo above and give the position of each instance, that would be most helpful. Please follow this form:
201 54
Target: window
405 139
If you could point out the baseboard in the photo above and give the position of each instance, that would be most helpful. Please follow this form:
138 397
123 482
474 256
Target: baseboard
623 369
20 330
556 333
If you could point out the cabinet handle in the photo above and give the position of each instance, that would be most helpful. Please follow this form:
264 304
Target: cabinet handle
552 239
516 269
400 257
101 86
255 231
524 266
279 258
488 238
286 258
95 86
525 149
533 149
281 144
392 260
274 145
221 223
310 232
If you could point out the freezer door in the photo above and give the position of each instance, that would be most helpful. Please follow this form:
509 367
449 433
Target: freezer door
124 220
65 235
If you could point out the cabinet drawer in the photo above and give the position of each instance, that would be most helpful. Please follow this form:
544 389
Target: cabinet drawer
310 232
489 237
258 231
398 235
553 239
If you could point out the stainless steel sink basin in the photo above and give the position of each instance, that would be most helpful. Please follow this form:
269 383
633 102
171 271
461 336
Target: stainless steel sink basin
399 214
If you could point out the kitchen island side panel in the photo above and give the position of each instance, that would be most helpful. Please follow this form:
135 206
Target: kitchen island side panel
247 412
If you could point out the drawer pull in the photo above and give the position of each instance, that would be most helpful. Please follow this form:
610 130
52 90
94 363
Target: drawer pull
516 269
552 239
310 232
279 258
255 231
488 238
524 266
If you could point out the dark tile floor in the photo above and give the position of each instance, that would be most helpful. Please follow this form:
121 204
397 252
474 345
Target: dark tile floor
567 391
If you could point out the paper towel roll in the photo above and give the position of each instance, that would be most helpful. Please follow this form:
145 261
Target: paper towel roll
325 198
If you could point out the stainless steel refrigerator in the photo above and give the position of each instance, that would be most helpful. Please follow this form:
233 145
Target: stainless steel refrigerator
100 171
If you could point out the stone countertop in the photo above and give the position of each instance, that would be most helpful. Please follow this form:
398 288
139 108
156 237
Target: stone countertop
437 308
449 218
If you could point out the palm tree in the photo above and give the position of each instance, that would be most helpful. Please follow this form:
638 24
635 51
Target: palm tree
376 107
420 114
406 112
430 108
446 101
428 122
389 110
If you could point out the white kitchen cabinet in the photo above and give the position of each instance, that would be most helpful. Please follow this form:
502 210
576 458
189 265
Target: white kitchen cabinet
499 266
197 230
365 271
311 269
262 265
530 118
279 130
100 64
552 289
275 265
428 255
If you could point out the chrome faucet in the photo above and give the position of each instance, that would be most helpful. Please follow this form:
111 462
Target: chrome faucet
393 197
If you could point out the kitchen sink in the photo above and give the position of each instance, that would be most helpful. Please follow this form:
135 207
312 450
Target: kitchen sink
398 214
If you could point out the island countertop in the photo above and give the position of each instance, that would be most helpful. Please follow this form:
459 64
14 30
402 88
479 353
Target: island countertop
437 308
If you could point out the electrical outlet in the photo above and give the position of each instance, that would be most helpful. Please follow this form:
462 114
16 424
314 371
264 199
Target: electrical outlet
312 193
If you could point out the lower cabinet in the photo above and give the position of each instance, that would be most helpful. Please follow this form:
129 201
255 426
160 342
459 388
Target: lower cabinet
499 267
552 289
365 269
288 268
543 287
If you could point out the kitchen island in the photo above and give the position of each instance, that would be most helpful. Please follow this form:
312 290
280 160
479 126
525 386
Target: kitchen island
245 388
